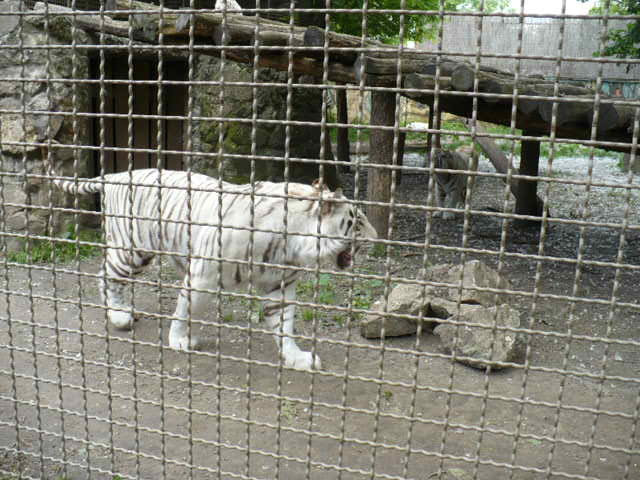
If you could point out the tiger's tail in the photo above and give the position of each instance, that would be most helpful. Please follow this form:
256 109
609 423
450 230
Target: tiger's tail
80 186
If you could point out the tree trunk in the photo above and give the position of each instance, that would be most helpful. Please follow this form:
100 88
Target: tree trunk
380 152
343 133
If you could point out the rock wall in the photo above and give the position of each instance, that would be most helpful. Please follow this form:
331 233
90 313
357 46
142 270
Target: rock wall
237 103
33 125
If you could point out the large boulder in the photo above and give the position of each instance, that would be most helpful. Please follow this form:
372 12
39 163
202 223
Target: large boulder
410 304
471 283
478 337
465 304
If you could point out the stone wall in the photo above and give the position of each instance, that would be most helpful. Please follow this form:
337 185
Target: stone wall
31 127
270 138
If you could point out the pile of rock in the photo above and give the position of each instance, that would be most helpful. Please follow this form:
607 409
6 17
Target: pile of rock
465 307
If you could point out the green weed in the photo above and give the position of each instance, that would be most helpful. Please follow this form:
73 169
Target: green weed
307 314
323 289
379 250
288 410
59 251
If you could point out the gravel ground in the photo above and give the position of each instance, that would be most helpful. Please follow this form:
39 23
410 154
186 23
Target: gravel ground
79 399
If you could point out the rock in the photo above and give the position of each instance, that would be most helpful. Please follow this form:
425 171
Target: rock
432 303
482 346
403 300
475 274
414 301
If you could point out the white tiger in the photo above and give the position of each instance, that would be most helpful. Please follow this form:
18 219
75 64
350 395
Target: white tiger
231 5
451 188
141 217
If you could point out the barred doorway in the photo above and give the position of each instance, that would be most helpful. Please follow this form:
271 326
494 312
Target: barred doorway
131 133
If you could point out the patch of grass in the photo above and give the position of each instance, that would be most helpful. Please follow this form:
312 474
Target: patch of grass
59 251
326 293
307 314
364 294
288 410
379 250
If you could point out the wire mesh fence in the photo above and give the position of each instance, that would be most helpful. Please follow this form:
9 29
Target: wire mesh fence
453 224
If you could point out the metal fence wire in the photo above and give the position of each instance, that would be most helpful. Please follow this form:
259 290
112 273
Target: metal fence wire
464 273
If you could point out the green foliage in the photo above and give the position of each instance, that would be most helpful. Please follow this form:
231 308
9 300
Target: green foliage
386 26
364 293
326 293
624 42
70 247
489 5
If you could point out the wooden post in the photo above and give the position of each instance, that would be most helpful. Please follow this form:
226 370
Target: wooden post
342 150
527 199
402 139
383 105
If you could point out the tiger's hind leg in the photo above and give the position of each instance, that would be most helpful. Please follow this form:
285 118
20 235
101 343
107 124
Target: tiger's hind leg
120 266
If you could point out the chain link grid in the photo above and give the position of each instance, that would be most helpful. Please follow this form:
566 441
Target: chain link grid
82 400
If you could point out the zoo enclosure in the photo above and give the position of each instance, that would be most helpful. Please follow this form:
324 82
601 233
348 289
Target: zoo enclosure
86 119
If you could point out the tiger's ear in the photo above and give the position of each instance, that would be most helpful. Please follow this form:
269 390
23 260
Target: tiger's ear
319 185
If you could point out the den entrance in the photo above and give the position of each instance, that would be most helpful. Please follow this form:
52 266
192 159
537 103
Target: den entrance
130 132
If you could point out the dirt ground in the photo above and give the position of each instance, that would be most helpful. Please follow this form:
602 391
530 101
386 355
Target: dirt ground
81 400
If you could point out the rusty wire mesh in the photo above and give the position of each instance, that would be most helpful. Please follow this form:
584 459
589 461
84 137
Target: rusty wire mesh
80 399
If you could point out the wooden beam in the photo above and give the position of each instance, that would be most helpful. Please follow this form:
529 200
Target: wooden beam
342 137
527 198
383 105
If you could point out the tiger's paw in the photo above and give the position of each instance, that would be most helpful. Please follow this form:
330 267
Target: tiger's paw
183 343
121 320
303 361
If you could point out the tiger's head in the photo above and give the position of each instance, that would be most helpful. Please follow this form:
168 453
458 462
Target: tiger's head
343 227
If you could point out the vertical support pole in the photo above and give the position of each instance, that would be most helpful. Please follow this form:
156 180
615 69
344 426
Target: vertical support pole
342 137
383 105
402 138
429 135
527 198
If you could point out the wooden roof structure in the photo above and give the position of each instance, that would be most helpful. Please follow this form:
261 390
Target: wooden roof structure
540 107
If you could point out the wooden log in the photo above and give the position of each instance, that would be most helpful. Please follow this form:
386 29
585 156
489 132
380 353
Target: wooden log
303 66
315 37
383 105
425 83
526 119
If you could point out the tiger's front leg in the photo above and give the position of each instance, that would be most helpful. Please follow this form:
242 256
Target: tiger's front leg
192 302
281 319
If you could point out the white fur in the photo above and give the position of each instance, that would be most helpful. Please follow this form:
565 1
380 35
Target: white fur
230 5
184 216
